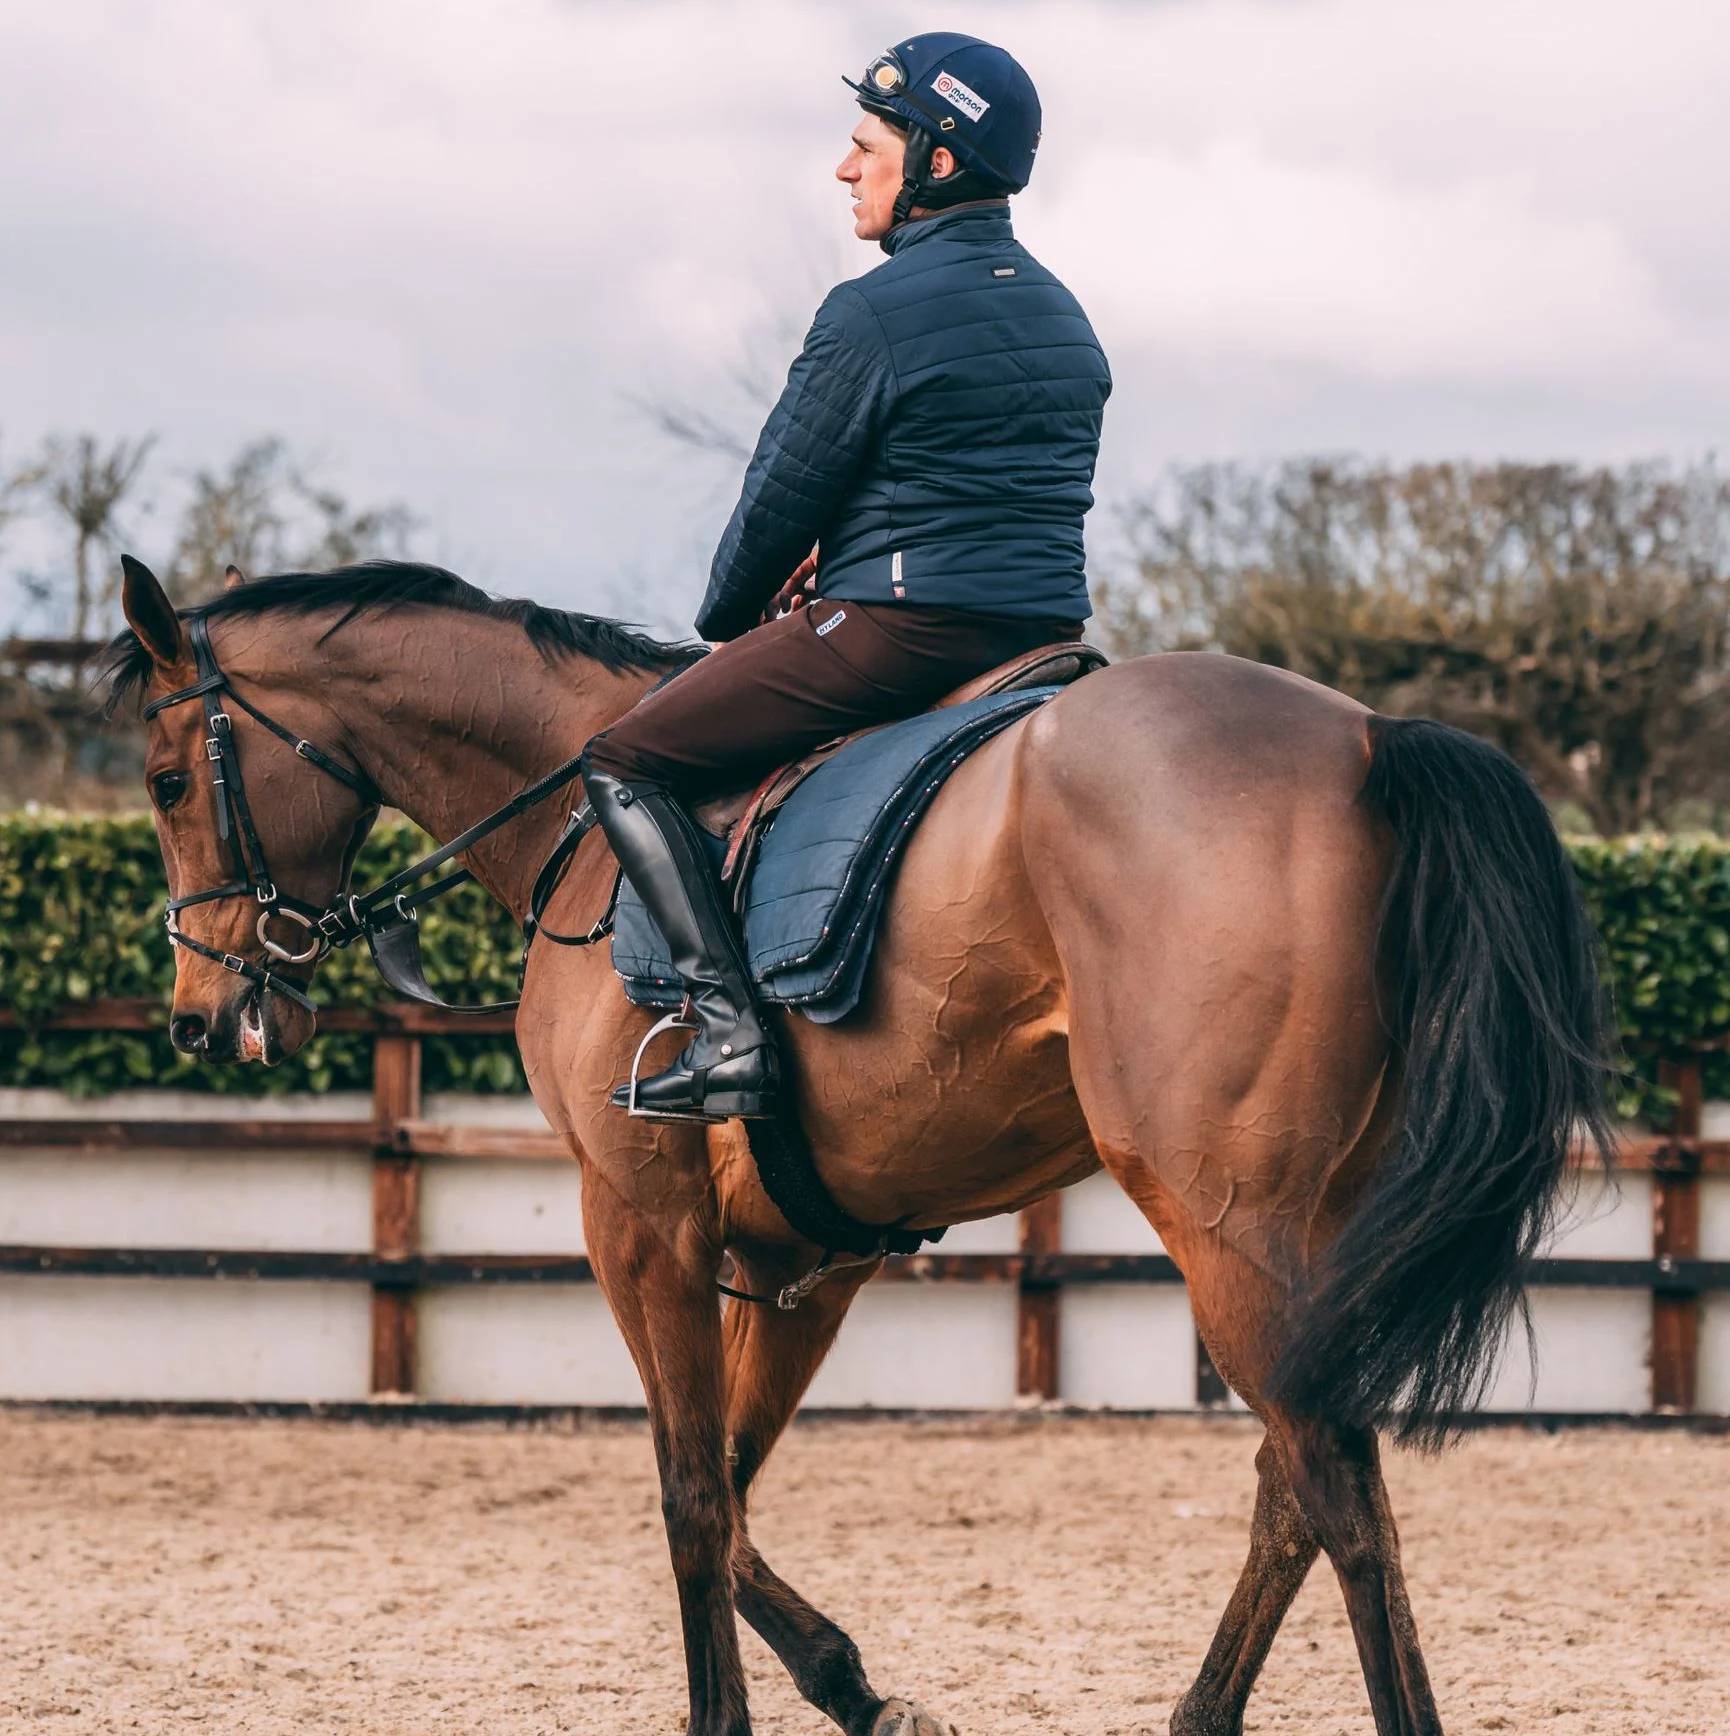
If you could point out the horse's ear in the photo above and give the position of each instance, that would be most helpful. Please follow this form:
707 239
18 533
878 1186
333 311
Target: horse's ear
148 611
233 579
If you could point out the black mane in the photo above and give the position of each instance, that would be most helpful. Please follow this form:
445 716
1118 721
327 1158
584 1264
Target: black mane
380 585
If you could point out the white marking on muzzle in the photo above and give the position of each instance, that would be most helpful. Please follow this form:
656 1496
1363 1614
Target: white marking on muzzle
251 1032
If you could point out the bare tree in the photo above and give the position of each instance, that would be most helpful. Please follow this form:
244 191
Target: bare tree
17 488
1580 617
85 484
753 382
234 515
262 513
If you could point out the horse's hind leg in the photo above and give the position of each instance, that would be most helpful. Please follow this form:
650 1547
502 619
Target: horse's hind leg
1321 1488
771 1357
1281 1548
1336 1476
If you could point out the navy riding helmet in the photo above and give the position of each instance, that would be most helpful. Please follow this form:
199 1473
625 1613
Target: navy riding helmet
957 91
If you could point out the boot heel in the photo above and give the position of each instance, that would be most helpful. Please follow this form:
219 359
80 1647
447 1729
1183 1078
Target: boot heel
739 1105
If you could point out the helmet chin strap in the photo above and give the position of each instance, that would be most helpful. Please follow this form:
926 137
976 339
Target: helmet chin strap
916 165
958 187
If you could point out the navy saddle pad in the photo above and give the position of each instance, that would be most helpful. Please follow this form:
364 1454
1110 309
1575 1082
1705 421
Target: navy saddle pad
823 866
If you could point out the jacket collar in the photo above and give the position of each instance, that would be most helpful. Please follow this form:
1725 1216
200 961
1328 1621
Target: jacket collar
981 220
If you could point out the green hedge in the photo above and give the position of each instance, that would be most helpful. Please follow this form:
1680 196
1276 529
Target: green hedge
1662 908
81 917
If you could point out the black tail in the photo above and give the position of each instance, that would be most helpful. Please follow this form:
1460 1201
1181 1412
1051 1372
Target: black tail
1501 1036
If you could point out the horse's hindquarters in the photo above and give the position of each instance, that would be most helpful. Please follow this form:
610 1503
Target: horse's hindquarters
1212 887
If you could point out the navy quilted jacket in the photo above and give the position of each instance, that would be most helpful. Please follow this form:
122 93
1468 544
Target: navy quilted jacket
937 436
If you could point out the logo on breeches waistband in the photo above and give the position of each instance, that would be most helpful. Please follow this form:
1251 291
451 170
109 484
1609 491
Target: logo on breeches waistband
832 623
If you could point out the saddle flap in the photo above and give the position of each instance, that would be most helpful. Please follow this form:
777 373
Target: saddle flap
810 887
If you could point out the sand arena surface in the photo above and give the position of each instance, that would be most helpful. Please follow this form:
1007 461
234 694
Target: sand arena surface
1051 1576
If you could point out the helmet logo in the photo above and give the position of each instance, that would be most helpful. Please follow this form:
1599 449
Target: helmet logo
954 92
887 76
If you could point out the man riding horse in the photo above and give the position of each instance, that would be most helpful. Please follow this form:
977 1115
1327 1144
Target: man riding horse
1316 987
936 441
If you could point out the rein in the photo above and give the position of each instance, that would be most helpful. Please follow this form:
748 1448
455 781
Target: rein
387 917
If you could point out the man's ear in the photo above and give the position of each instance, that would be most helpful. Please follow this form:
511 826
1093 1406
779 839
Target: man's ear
148 611
943 163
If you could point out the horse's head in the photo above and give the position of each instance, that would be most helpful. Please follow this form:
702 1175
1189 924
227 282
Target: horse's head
256 837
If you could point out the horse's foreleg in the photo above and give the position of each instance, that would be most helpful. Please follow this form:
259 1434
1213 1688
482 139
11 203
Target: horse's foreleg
771 1357
659 1281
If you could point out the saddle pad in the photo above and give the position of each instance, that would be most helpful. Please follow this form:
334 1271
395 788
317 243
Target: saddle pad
816 889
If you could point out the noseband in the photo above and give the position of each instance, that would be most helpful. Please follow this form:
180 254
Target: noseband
387 916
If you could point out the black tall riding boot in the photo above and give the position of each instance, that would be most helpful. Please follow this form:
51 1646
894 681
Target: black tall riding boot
730 1067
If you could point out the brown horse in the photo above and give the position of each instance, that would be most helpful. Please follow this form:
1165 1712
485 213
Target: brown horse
1315 987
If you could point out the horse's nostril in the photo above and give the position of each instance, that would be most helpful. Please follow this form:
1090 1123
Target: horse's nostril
187 1033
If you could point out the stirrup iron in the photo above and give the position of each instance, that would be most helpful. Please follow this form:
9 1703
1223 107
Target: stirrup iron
673 1021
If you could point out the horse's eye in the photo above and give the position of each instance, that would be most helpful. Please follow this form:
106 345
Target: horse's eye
168 788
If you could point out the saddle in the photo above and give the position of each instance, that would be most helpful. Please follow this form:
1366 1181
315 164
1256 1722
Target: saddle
808 855
741 817
809 893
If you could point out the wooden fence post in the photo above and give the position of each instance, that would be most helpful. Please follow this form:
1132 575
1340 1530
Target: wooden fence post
1676 1236
1037 1303
395 1208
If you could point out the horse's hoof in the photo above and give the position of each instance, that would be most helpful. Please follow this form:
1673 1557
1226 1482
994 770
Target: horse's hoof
903 1718
1191 1718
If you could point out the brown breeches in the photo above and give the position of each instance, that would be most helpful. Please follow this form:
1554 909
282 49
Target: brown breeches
794 683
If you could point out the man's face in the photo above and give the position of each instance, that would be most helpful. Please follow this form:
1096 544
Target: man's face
872 171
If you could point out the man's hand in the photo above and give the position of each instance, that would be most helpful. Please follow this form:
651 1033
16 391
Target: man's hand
797 591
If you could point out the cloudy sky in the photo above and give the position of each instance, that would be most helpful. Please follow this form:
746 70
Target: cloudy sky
451 249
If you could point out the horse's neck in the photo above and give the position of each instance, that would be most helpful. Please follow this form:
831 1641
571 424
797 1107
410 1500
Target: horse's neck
467 713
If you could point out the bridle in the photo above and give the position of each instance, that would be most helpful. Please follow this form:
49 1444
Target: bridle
388 916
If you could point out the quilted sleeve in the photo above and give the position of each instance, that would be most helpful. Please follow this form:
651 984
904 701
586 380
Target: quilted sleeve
809 452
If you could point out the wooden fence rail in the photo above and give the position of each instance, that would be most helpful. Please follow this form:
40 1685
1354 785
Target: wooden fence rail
400 1138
